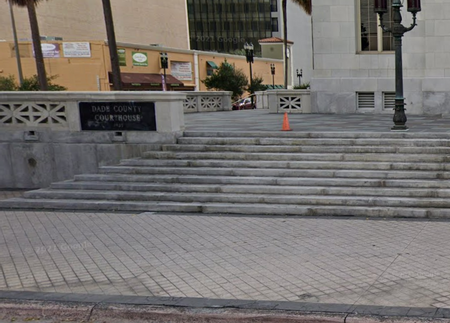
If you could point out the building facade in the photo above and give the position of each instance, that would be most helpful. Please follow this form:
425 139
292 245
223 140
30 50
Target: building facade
354 63
226 25
85 66
139 21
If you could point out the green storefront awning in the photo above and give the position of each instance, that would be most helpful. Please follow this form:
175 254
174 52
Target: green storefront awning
212 64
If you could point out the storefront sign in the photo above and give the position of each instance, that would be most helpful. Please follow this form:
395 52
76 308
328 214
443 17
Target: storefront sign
181 70
121 52
139 59
132 116
77 49
50 50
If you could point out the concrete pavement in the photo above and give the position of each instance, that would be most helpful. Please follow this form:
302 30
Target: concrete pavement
392 266
321 265
262 120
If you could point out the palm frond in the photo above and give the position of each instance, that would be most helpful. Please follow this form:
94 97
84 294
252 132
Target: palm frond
24 3
305 4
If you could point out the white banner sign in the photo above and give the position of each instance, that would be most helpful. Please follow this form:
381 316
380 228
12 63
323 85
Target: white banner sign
181 70
77 49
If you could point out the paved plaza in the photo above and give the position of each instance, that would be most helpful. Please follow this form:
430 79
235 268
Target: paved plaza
351 261
319 260
262 120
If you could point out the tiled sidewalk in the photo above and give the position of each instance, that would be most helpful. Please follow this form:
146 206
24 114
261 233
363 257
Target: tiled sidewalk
341 261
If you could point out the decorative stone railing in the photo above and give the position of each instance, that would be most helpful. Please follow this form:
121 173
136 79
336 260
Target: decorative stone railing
291 101
207 101
60 110
44 137
262 101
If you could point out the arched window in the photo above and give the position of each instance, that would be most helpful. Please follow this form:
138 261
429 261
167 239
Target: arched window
371 36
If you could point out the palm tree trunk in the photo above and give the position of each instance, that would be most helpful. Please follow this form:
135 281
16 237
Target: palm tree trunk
115 67
284 4
35 35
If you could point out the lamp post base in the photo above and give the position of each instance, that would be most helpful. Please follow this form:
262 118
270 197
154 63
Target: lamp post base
400 128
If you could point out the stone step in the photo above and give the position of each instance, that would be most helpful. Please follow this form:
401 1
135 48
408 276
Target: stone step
246 180
305 149
273 172
238 198
226 208
332 141
322 134
433 158
285 164
252 189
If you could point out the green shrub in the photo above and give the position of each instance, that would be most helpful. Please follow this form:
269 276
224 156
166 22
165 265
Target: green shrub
303 86
9 83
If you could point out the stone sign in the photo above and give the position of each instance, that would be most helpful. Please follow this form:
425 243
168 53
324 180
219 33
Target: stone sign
132 116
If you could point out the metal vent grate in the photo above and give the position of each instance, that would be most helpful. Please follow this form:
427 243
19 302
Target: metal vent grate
366 100
388 100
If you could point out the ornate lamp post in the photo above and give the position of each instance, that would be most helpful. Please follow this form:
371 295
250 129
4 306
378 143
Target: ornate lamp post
299 75
164 64
249 55
272 71
398 30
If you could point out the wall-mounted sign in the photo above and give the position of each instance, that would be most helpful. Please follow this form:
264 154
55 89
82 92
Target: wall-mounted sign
181 70
121 52
77 49
134 116
50 50
139 59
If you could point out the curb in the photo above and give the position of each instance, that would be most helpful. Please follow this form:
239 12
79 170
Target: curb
207 303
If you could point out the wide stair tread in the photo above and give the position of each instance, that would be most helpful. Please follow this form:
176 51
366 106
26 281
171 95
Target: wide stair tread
255 180
226 208
261 173
253 189
187 197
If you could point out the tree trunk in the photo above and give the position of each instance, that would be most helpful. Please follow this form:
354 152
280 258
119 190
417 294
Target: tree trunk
35 35
285 48
115 67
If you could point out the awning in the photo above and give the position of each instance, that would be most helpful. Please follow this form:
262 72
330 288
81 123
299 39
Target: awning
212 64
153 79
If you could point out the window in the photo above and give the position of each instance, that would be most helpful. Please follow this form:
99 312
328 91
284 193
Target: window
261 7
274 5
371 36
274 24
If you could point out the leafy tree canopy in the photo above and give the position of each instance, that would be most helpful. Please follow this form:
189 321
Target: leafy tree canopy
257 85
24 3
227 78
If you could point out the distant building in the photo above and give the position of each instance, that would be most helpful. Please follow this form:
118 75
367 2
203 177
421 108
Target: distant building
226 25
138 21
354 60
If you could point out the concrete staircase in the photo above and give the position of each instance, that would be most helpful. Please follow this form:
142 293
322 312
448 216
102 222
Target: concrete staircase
260 173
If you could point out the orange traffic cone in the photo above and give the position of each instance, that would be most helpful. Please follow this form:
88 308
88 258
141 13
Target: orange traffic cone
286 123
